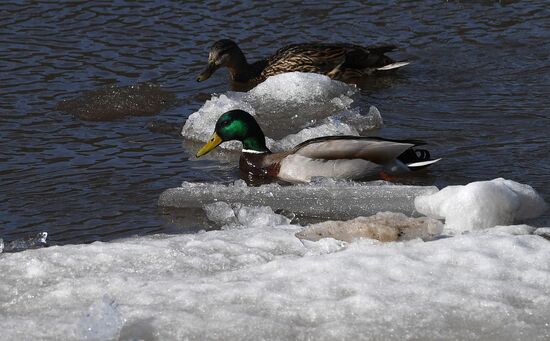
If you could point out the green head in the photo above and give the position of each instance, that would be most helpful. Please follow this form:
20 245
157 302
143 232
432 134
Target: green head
236 125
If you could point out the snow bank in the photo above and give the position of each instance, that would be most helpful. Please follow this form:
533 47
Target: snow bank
325 198
305 104
482 204
258 281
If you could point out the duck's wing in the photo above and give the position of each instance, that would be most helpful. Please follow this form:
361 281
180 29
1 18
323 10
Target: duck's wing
318 58
327 58
377 150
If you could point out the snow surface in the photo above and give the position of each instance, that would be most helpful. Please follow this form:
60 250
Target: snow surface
307 105
323 198
482 204
259 281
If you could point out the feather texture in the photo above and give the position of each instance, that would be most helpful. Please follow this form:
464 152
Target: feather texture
345 62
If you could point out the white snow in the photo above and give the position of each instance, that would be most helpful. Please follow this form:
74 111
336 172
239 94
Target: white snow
102 321
258 281
482 204
255 279
299 87
306 105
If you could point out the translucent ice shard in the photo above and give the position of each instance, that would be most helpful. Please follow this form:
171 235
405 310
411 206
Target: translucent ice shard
240 216
482 204
324 199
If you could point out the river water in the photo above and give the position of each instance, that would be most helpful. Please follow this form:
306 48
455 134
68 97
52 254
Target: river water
477 89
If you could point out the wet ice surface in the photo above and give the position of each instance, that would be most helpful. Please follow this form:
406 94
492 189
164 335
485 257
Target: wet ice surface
257 280
324 198
308 105
33 242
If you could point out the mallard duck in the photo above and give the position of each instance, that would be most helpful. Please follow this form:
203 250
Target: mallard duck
343 157
344 62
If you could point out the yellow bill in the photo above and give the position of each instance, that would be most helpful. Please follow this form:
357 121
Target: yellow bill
214 141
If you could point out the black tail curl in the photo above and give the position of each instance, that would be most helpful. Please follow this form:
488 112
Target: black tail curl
414 155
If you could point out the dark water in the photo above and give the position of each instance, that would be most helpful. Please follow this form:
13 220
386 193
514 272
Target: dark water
478 90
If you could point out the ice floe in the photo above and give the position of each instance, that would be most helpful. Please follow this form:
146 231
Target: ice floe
324 198
259 281
306 105
482 204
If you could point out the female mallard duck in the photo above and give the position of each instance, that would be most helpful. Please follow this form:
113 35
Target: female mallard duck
344 62
344 157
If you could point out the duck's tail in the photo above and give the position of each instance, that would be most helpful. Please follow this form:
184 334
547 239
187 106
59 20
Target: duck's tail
392 66
421 164
416 159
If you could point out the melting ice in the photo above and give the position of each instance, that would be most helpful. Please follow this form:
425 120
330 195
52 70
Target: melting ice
257 280
323 198
306 105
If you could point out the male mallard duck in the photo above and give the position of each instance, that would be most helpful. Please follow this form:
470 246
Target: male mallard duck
344 157
344 62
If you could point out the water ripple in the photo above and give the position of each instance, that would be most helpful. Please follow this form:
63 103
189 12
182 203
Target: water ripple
477 90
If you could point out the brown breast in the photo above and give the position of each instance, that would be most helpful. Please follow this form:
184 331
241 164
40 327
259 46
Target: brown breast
263 165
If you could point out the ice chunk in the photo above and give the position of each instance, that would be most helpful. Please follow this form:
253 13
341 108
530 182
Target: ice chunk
260 216
298 87
482 204
36 241
383 226
220 213
234 215
102 321
313 102
543 232
326 199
